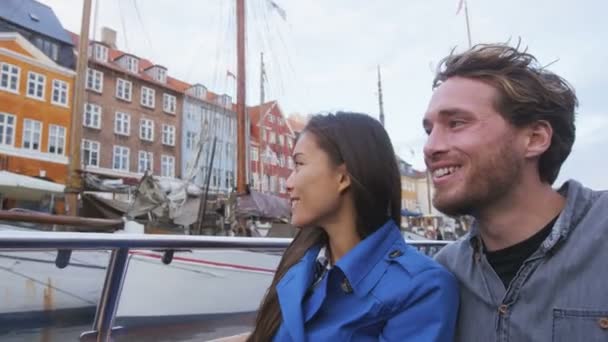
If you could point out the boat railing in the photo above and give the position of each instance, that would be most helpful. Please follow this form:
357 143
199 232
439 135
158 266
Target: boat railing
121 244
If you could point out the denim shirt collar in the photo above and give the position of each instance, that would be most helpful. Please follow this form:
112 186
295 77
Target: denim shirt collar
578 201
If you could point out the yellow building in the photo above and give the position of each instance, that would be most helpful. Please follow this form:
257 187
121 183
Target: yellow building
35 110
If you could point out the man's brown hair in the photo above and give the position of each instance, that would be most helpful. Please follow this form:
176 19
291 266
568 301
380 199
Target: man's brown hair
528 93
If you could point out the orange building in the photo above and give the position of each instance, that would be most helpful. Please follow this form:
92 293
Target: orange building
35 110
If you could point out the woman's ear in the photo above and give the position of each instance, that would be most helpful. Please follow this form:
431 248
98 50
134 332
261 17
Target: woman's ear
343 178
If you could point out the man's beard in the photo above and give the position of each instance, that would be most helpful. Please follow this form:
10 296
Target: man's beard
487 182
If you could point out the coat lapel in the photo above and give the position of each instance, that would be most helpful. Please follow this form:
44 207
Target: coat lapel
291 290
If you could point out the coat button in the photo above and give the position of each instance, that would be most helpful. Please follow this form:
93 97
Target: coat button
395 254
503 309
346 286
603 323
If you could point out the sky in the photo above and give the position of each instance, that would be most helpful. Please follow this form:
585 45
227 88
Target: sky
323 55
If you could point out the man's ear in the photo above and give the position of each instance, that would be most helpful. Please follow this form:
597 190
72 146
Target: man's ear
344 178
539 138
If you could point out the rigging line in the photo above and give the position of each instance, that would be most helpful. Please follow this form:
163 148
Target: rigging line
222 39
124 27
276 64
202 43
143 28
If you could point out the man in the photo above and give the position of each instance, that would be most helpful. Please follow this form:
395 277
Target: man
534 266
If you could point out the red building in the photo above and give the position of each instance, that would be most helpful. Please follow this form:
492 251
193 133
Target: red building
271 143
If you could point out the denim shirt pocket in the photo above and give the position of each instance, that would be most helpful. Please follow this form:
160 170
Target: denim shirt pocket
580 325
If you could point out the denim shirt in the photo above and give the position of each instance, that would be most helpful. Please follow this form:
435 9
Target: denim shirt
559 294
381 290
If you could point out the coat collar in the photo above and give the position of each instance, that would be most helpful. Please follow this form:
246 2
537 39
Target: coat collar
364 264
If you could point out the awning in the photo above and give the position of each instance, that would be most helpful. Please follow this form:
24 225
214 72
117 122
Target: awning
21 187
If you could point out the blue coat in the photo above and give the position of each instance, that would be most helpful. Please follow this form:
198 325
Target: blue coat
381 290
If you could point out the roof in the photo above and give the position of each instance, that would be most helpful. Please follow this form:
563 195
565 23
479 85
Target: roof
25 12
297 122
255 113
144 64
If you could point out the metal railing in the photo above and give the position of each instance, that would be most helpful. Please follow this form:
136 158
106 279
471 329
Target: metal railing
120 244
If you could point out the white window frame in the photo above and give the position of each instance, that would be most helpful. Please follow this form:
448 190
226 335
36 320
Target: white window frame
57 139
272 138
148 96
147 158
133 64
122 123
191 140
35 85
100 53
33 134
7 130
61 91
124 89
94 80
169 103
146 129
168 135
94 149
121 149
161 75
167 166
92 116
254 154
12 76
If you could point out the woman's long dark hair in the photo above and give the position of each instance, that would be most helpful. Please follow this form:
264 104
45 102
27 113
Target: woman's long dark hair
361 143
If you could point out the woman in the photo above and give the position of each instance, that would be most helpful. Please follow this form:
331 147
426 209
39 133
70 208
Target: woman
349 275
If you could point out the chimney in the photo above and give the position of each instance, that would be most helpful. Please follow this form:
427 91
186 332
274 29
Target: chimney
108 37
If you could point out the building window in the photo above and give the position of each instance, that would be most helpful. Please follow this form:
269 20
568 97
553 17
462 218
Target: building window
169 103
60 93
94 80
100 53
200 91
7 129
121 158
272 137
161 75
47 47
132 64
167 167
145 161
90 153
35 85
57 140
190 140
147 97
270 118
281 139
9 77
229 180
122 123
32 133
168 135
123 89
283 188
92 116
290 163
281 161
290 143
146 130
254 154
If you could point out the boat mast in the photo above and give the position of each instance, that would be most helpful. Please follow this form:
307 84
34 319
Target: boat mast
380 102
241 167
74 183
